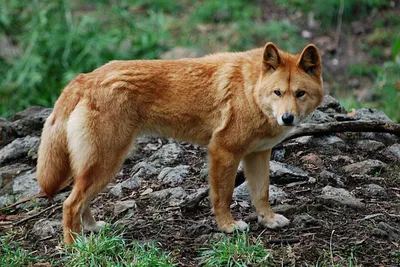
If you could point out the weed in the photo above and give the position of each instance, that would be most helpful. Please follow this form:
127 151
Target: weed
235 251
109 248
12 255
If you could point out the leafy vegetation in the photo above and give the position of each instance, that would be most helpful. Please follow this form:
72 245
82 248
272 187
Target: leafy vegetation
109 248
12 255
237 250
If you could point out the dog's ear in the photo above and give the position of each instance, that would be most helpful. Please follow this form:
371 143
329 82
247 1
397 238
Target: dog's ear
271 58
310 60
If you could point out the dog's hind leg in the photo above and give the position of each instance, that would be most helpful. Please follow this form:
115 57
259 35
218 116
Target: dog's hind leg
98 146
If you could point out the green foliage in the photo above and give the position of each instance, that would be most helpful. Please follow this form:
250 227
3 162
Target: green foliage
58 43
235 251
109 248
12 255
326 11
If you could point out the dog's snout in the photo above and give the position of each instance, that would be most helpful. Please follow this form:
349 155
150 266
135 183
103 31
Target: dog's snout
287 119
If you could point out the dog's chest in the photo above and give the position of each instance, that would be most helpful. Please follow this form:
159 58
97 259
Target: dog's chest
269 143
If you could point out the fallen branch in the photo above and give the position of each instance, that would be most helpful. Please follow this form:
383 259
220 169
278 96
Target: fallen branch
344 126
39 213
311 129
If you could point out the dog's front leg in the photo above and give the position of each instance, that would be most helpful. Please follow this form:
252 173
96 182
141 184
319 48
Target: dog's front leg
256 169
223 167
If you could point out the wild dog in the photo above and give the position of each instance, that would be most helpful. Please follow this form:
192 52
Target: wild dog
238 105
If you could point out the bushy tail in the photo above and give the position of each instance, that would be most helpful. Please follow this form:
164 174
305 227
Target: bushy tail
53 166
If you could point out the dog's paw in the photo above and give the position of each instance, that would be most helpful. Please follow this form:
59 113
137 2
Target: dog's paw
276 221
236 225
100 225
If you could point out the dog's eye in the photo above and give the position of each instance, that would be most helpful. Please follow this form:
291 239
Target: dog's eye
278 93
300 93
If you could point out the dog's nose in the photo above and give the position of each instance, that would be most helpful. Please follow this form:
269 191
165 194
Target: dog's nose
287 118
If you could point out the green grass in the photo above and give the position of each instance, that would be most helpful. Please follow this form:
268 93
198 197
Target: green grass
12 255
109 248
236 250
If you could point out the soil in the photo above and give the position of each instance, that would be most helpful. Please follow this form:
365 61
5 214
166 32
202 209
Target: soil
342 230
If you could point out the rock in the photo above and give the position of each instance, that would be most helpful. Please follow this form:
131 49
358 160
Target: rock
303 140
169 193
144 170
285 173
318 117
30 121
204 174
45 228
167 155
369 145
386 138
33 152
116 190
373 190
342 159
200 229
182 52
18 148
371 114
369 166
385 230
6 199
8 173
7 133
328 142
278 154
330 105
333 196
285 208
392 153
314 159
132 182
121 206
25 185
330 177
242 193
175 175
304 221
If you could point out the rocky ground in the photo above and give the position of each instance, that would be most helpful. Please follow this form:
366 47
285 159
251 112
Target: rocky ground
341 193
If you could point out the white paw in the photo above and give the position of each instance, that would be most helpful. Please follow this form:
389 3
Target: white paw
96 227
277 221
236 225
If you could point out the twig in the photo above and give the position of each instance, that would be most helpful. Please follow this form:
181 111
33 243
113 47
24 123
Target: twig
345 126
284 241
37 214
339 23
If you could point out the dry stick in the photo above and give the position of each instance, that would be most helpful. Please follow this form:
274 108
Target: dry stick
316 129
37 214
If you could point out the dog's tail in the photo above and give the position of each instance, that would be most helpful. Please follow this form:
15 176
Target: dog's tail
53 167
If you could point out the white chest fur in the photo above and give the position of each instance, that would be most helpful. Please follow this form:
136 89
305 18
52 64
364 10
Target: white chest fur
268 143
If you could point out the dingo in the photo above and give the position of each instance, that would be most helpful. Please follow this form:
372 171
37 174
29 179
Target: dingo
238 105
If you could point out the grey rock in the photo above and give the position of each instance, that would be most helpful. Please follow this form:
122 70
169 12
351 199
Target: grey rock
7 133
144 170
380 233
132 182
182 52
339 196
25 185
167 155
285 173
392 153
6 199
121 206
392 232
278 154
386 138
303 140
18 148
304 220
169 193
242 193
44 228
330 105
369 166
373 190
285 208
328 142
330 177
174 175
369 145
30 121
342 159
116 190
371 114
33 152
204 174
200 229
318 116
9 172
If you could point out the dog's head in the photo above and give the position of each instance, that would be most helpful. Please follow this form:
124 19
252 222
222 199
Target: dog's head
290 86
